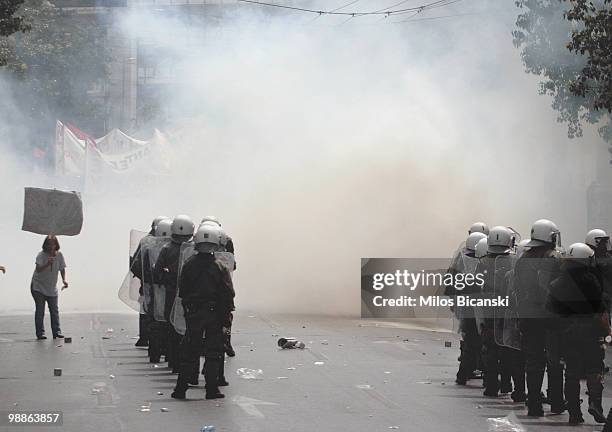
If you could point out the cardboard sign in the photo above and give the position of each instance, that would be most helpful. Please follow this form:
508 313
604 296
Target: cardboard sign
51 211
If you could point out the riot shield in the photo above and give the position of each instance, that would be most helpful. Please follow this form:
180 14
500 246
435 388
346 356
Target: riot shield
603 270
505 323
456 266
477 312
154 293
532 277
548 271
159 302
512 331
177 314
130 289
467 265
227 260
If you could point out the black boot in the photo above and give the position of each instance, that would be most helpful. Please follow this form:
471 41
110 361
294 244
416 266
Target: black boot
180 390
179 394
214 394
558 408
505 387
461 379
572 394
211 376
229 349
491 383
608 425
491 380
534 401
155 342
505 370
154 350
144 322
182 385
464 367
595 394
490 392
535 411
194 370
221 381
555 388
575 419
518 396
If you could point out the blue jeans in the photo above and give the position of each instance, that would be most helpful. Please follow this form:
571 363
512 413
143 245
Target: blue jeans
39 315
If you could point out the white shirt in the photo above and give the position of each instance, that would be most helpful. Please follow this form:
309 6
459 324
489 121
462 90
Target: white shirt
45 281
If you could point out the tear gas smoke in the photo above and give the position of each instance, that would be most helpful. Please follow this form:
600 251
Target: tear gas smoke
317 143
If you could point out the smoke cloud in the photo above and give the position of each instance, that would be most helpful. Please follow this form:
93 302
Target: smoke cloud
317 143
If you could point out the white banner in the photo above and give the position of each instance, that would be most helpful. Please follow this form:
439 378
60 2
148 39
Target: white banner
59 148
126 161
117 151
117 142
74 154
69 151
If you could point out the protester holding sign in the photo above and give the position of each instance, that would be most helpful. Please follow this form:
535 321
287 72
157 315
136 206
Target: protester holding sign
49 262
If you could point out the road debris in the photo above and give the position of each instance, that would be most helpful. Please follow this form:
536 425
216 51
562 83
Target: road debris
250 374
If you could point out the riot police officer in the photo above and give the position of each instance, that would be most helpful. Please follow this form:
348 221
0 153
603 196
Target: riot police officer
153 294
533 272
512 358
500 243
470 345
207 296
227 245
599 241
576 298
144 320
166 274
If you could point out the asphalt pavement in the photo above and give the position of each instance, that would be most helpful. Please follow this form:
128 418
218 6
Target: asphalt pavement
354 375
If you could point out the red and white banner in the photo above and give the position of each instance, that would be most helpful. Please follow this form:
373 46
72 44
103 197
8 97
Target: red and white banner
78 154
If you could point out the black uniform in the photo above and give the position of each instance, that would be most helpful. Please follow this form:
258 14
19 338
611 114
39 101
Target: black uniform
513 359
166 274
576 298
144 320
470 345
603 272
229 349
497 359
540 338
208 298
